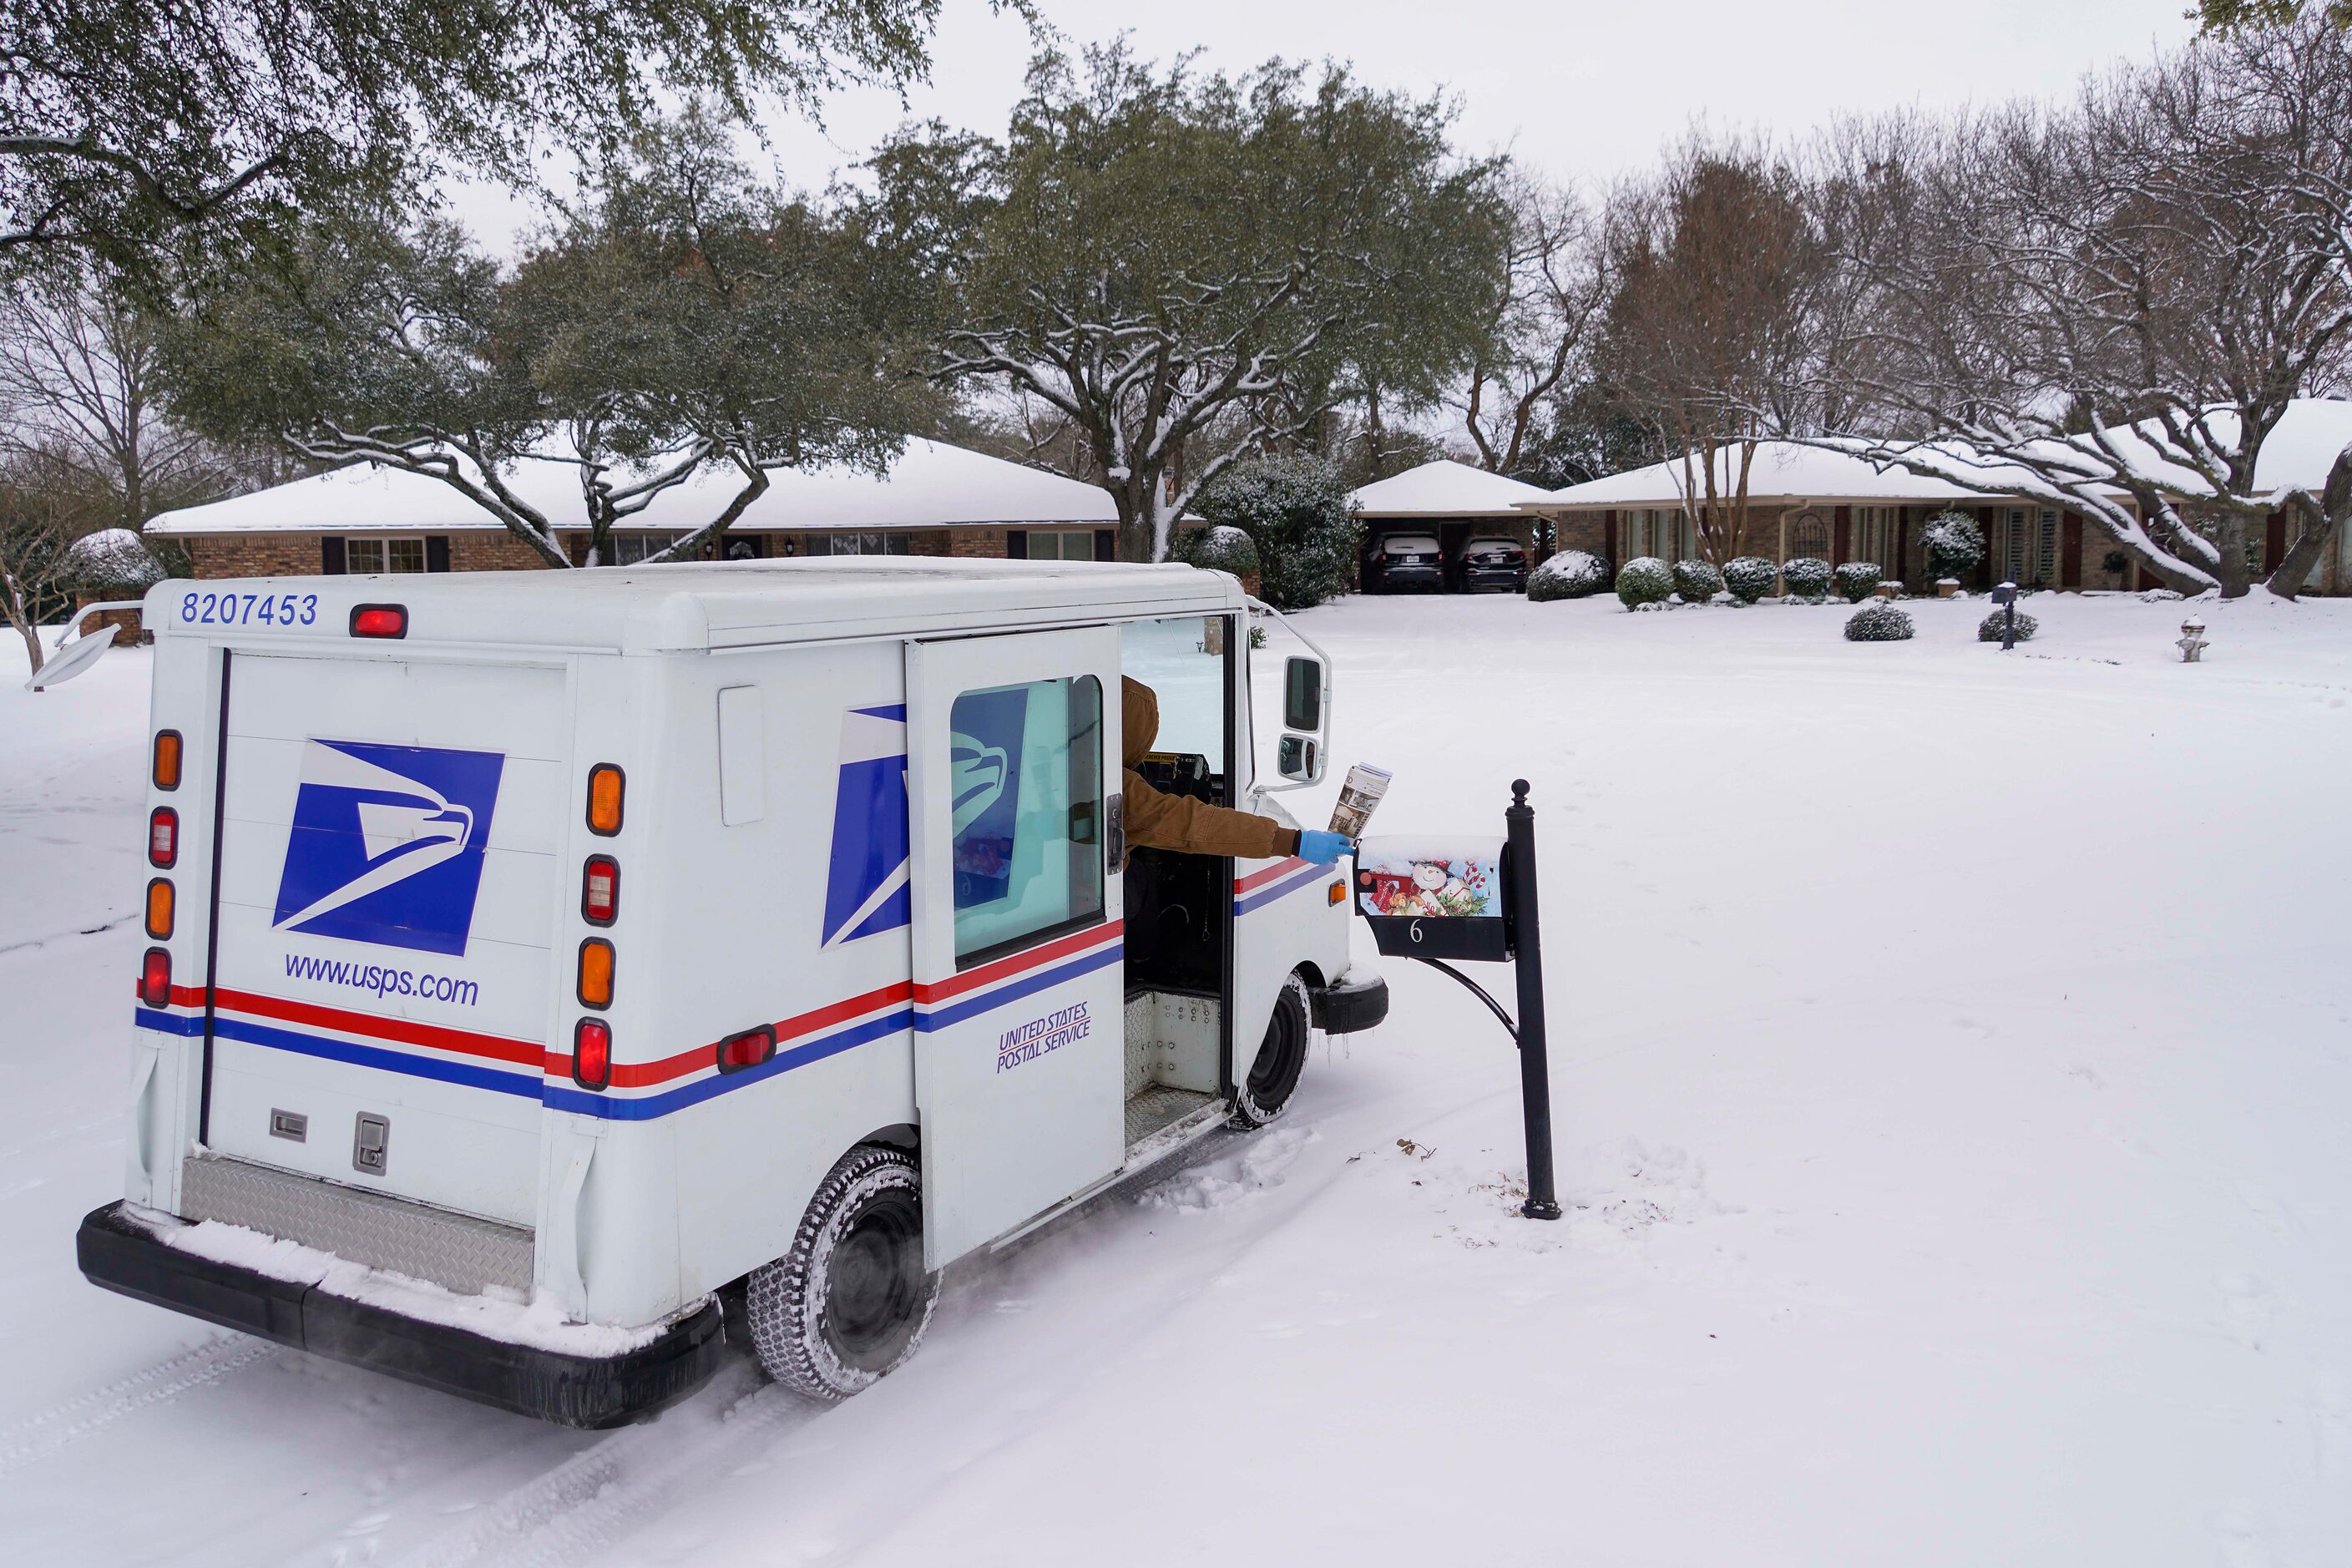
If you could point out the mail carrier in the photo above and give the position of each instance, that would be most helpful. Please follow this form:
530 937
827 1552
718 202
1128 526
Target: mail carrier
550 976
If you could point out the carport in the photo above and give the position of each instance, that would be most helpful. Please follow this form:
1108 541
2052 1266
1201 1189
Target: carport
1454 501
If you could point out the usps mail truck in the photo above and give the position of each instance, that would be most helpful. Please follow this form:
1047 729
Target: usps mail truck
552 977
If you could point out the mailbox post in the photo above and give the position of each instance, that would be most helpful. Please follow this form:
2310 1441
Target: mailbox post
1474 899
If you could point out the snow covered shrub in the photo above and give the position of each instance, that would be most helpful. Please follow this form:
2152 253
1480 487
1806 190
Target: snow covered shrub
1295 510
1750 578
1808 578
1878 621
2158 596
1988 629
1644 581
1954 543
1856 580
113 561
1221 549
1570 574
1696 582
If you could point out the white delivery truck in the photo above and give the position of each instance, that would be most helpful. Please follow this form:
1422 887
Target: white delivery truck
553 975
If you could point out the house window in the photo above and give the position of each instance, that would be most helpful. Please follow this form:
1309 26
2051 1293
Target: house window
629 548
857 544
1061 544
366 556
1874 535
1808 538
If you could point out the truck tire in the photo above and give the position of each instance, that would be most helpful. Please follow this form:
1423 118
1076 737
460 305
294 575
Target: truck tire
849 1302
1263 1091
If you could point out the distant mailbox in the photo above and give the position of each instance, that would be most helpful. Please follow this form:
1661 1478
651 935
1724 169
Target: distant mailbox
1433 897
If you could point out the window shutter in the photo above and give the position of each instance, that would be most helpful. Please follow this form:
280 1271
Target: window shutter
1106 544
436 553
1016 544
330 555
1844 522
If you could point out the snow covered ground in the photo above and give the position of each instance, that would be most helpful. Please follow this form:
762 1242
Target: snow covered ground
1953 1061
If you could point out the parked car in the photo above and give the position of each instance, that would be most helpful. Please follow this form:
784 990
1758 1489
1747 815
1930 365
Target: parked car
1495 564
1409 561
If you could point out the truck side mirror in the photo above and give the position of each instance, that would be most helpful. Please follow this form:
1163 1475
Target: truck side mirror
1295 758
1302 694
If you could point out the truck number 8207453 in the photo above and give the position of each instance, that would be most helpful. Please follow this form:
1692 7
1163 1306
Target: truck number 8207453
244 609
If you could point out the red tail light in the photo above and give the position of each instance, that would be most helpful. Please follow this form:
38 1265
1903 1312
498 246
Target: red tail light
591 1053
162 838
155 978
600 890
750 1049
379 621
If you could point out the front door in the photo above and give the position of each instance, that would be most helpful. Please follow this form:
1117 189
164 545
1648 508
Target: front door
1020 1060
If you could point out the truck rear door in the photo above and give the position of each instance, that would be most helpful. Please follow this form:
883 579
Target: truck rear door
380 974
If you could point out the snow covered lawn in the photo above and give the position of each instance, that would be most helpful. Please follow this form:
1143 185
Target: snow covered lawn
1953 1061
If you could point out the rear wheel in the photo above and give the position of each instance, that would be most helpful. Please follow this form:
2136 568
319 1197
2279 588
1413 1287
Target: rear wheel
1263 1093
849 1302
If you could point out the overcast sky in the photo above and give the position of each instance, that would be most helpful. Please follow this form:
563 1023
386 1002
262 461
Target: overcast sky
1583 91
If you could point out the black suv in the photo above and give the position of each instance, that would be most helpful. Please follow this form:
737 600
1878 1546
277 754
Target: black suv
1409 561
1495 564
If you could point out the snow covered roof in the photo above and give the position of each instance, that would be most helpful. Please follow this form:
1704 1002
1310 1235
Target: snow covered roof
1445 488
2299 451
931 485
1781 470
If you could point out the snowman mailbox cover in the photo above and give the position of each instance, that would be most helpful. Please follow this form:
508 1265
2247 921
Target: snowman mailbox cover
1434 898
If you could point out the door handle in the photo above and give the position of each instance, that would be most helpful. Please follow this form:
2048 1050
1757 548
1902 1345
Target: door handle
1115 829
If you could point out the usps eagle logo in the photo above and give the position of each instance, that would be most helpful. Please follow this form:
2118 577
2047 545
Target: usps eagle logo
865 874
387 844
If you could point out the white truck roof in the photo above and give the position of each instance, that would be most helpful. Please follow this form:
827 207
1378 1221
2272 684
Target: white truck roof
694 607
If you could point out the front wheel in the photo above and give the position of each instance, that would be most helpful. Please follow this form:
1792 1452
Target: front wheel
849 1302
1264 1092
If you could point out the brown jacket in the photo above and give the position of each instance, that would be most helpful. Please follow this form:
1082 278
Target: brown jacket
1157 821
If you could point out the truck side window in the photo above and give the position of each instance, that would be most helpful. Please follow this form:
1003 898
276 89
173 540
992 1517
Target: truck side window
1027 768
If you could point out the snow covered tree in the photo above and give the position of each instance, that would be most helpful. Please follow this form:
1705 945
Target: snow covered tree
2109 307
81 390
683 320
1954 543
1715 266
1294 511
126 128
1184 268
1545 294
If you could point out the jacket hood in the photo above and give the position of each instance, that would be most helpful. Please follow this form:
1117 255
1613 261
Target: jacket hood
1138 720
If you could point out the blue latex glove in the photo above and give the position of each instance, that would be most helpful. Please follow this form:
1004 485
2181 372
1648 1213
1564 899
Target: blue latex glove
1323 848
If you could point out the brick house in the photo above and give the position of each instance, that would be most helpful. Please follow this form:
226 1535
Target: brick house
936 500
1452 501
1803 500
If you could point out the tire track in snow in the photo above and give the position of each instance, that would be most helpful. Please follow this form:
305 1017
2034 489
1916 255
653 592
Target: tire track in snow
596 1497
32 1441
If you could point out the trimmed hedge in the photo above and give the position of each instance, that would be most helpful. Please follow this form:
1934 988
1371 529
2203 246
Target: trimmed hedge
1645 579
1808 578
1878 621
1696 582
1223 548
1856 580
1954 543
1750 578
1570 574
1988 629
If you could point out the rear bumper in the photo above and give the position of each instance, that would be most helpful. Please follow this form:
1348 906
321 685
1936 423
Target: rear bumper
1512 580
1357 1002
120 1253
1413 577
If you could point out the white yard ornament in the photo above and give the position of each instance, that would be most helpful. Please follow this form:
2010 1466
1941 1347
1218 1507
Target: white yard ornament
2192 640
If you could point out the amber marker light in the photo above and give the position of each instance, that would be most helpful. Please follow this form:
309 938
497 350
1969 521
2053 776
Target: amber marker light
597 972
159 907
605 783
167 759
